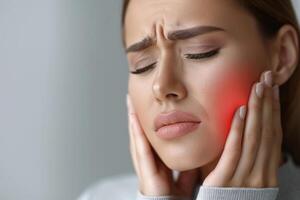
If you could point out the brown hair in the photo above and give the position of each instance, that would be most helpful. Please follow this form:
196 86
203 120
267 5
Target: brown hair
271 15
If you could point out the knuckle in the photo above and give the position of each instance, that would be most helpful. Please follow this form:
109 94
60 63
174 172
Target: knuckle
238 128
268 135
267 131
269 138
251 135
234 149
252 142
255 105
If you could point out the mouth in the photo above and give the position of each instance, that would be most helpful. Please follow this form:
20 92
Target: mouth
176 130
175 124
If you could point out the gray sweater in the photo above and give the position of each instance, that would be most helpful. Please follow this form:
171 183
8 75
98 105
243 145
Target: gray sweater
124 187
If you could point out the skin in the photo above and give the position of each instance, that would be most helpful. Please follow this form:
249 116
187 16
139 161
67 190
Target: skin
222 151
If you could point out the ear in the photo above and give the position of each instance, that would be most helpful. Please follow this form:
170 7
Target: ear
286 54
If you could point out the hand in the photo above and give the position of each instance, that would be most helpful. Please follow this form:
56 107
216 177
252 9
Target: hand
155 178
252 151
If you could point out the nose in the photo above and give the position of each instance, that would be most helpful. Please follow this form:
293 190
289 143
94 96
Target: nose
168 83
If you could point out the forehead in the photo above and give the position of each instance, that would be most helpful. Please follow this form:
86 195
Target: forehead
143 16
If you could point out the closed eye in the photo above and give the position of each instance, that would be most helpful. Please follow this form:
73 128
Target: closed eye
144 69
188 56
202 55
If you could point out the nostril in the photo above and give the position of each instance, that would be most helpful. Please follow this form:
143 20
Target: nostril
172 95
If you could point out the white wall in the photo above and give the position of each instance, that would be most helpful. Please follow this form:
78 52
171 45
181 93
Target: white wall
63 80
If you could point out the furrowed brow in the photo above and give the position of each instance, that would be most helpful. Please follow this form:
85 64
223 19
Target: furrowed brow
174 35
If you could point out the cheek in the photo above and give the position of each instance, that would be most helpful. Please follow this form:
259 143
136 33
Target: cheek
228 91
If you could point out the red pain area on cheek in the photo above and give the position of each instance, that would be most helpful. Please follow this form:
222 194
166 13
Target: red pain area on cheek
231 91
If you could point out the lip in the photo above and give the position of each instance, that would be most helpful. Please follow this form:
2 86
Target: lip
174 124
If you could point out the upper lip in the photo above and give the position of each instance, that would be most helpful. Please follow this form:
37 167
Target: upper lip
172 117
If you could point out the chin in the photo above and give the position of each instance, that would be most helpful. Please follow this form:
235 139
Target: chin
190 152
181 158
182 165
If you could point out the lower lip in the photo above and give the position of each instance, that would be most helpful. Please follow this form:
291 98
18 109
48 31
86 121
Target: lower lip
177 130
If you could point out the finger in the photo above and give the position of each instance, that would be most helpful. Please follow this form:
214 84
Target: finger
131 139
267 134
133 152
144 155
275 157
277 123
251 134
133 149
226 166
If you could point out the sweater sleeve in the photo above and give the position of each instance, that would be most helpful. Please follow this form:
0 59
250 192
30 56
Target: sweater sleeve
222 193
140 196
237 193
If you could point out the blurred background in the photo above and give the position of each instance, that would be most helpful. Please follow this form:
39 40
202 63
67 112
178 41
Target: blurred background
63 81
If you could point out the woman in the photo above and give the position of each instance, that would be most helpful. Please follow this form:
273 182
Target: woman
204 101
194 63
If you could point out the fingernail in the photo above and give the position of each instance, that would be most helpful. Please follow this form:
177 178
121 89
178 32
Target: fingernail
259 89
268 78
276 92
242 112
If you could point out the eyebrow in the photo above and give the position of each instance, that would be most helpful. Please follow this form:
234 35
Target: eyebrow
174 35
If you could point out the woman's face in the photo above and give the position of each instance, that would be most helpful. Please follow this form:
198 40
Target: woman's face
210 86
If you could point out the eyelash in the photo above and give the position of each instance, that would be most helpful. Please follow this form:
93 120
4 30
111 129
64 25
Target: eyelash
202 55
188 56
